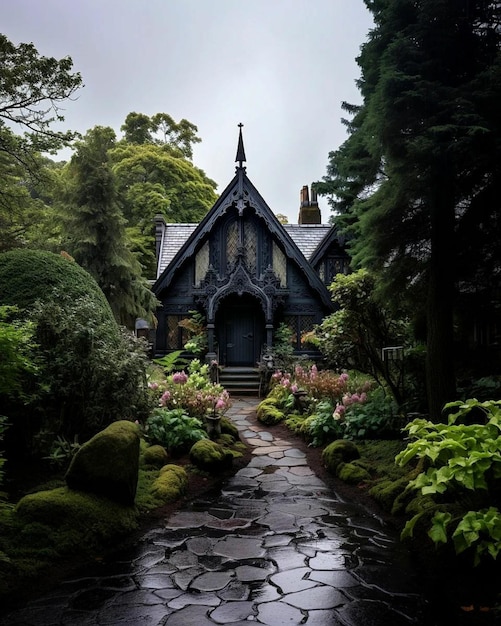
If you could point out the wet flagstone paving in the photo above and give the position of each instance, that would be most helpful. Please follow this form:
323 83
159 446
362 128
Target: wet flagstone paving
275 547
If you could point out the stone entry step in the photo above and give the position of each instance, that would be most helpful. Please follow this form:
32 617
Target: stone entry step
240 380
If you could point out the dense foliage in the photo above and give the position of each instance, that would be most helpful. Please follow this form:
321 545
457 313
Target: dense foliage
462 469
88 372
418 180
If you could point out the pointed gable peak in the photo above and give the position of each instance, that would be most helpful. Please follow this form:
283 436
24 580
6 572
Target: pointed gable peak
240 158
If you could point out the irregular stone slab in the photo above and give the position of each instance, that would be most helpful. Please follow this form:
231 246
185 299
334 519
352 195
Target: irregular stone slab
229 524
155 581
265 435
267 478
212 581
301 470
183 559
249 472
234 590
249 573
335 578
265 593
279 614
289 462
199 545
287 558
317 598
279 522
277 540
293 580
187 519
294 452
230 612
328 561
189 599
239 548
190 615
277 486
184 578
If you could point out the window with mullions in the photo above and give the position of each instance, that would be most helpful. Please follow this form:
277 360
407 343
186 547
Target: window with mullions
334 265
176 336
299 325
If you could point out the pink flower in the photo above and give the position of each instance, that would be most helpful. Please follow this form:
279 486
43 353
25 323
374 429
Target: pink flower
165 398
180 378
220 404
343 377
153 386
294 388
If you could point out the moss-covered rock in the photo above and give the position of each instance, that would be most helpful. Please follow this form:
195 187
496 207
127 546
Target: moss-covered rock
339 451
268 412
229 428
155 455
211 456
170 484
352 473
388 492
67 521
108 464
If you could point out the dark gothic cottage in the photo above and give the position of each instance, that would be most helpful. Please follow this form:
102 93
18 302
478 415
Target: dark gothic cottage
245 272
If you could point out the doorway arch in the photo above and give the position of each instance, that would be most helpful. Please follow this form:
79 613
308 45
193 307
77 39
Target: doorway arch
240 330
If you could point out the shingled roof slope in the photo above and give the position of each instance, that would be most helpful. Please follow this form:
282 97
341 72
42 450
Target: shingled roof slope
307 237
174 236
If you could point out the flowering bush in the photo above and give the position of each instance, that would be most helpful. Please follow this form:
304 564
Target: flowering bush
192 391
339 389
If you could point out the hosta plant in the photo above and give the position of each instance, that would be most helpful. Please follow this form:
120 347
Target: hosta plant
461 457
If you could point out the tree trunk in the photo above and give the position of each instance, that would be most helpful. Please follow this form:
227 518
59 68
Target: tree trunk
440 377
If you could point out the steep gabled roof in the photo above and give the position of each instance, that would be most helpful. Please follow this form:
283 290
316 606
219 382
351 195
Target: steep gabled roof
308 237
174 237
239 192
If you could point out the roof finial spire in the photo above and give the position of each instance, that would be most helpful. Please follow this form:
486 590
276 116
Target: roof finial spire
240 158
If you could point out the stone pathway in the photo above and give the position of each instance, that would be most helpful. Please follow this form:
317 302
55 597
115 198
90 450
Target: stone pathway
275 547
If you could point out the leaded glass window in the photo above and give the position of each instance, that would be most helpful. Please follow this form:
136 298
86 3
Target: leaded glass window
175 334
280 265
250 246
232 242
201 263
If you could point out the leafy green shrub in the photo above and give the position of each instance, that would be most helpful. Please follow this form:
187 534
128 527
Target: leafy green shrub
174 429
460 459
377 417
89 371
323 427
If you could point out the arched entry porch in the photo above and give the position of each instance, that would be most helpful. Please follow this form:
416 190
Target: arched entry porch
240 330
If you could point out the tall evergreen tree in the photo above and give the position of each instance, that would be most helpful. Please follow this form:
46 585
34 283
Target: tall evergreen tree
419 178
95 228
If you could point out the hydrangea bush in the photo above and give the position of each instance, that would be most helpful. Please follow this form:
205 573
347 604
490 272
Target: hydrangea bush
193 391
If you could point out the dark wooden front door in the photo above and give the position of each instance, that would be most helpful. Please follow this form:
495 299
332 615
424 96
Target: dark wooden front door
241 328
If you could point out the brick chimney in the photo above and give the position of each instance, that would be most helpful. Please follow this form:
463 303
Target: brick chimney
309 211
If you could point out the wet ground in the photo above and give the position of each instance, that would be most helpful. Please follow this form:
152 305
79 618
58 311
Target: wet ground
276 546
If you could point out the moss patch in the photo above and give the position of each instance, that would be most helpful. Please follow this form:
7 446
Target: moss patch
268 412
155 455
170 484
210 456
339 451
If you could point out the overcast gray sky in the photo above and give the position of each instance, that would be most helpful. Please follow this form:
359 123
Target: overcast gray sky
281 67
